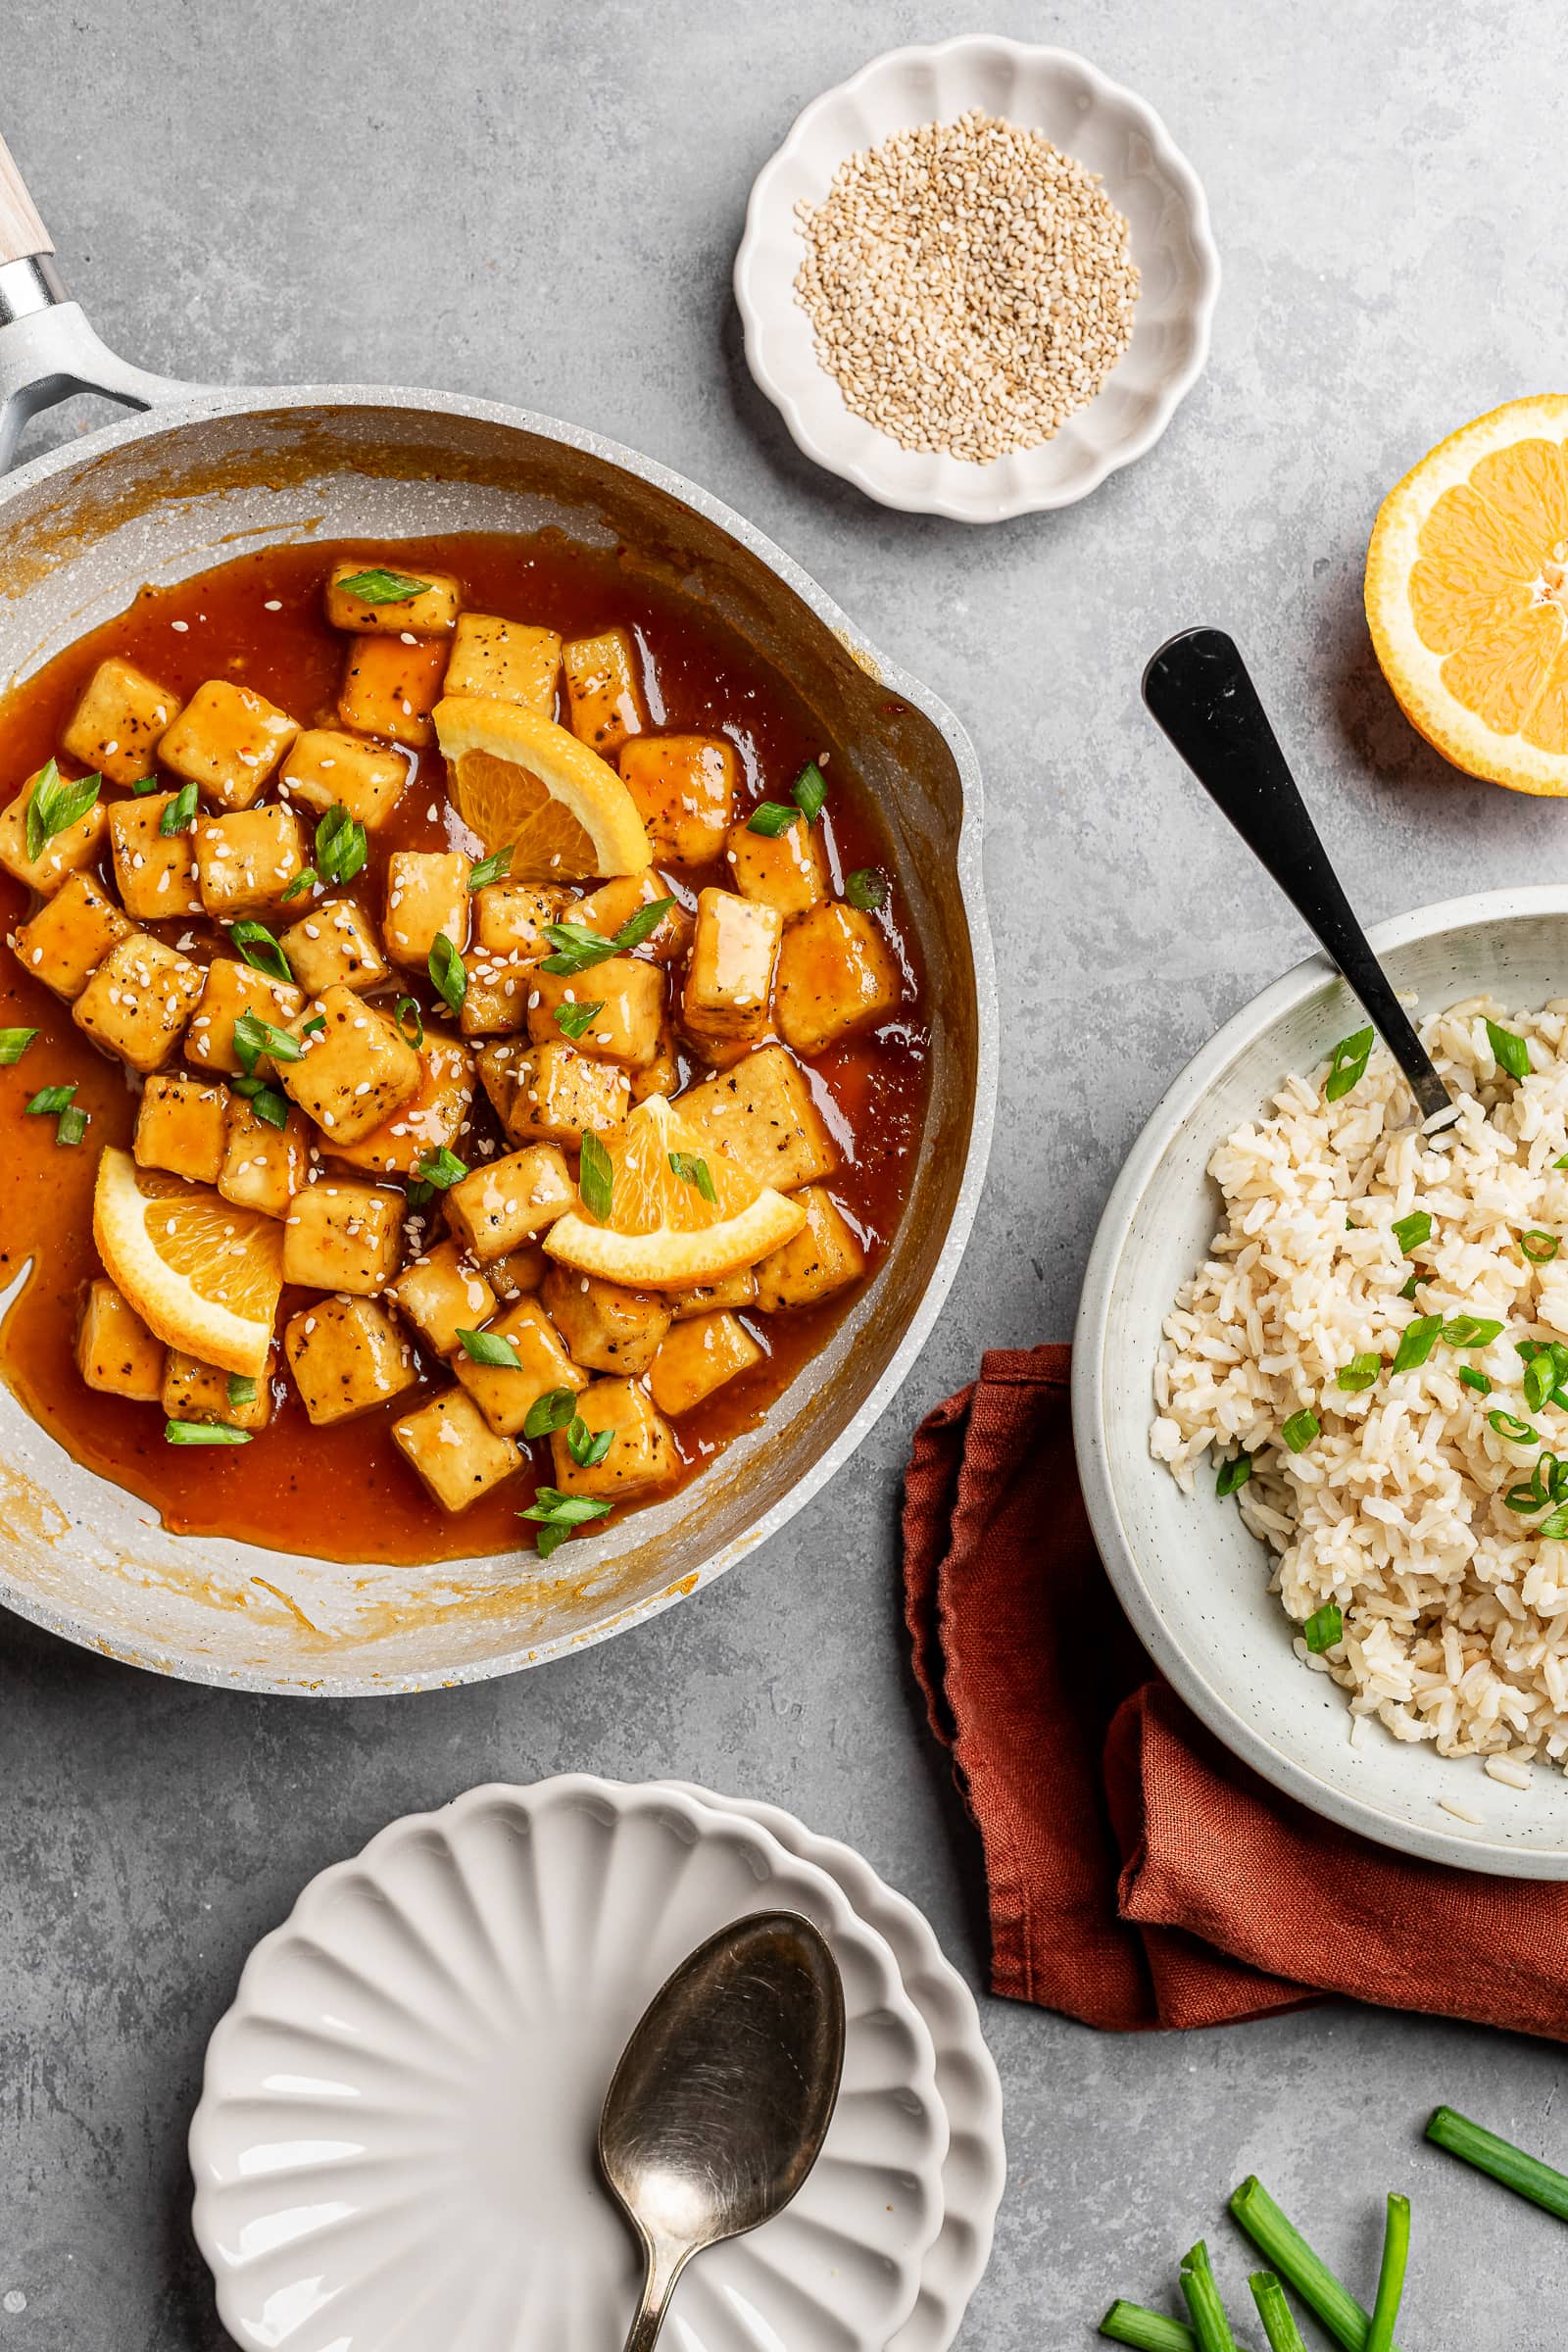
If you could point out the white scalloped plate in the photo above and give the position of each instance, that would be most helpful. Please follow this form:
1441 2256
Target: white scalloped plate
975 2170
394 2146
1106 127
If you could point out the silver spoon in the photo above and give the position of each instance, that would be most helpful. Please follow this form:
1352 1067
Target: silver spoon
1197 688
723 2096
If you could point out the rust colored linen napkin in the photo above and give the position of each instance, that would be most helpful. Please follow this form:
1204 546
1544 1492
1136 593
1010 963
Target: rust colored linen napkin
1139 1876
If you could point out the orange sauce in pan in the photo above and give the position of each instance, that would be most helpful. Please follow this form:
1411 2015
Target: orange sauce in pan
346 1493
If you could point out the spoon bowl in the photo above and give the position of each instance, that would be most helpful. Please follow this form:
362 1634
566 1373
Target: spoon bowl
723 2095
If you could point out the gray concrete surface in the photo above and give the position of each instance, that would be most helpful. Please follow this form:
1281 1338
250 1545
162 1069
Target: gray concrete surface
542 204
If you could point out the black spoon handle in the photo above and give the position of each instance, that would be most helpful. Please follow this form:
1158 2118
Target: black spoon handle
1198 688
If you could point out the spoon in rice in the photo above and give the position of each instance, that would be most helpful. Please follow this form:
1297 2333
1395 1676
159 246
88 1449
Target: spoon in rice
1198 688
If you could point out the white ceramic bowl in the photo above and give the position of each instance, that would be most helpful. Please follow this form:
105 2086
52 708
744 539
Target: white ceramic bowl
1108 128
1191 1578
974 2170
394 2146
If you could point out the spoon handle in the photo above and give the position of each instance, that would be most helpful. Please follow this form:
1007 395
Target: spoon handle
1198 688
665 2267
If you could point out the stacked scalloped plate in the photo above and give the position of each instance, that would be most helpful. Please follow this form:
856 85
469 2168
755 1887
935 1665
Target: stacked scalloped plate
394 2146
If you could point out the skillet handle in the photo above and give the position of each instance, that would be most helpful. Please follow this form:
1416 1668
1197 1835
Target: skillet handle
48 351
21 233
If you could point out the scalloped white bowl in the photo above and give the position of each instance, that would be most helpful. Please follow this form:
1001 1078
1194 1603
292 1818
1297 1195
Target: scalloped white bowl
394 2146
1106 127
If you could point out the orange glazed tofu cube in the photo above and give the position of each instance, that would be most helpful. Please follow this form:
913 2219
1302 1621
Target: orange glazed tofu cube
615 902
519 1273
70 936
197 1392
440 1296
684 788
699 1356
426 896
823 1256
496 993
707 1297
643 1452
390 688
155 873
729 981
603 690
138 1001
246 862
428 610
510 918
115 1352
455 1450
326 770
508 1202
342 1235
228 990
354 1072
787 870
228 741
434 1115
836 973
763 1113
116 726
553 1094
181 1126
629 1023
263 1166
347 1356
334 946
506 1398
506 660
65 853
606 1327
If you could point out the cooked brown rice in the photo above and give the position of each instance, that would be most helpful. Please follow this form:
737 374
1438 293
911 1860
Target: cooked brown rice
1455 1614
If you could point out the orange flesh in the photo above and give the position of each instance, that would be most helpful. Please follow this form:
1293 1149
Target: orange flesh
346 1493
1488 590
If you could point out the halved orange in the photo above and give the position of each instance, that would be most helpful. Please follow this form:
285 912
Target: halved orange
1467 595
516 777
662 1229
203 1275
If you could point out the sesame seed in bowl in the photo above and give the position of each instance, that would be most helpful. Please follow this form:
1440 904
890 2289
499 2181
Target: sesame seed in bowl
977 278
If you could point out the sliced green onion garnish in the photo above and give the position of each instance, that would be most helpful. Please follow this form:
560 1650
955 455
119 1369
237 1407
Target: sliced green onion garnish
770 819
178 817
549 1412
693 1170
341 844
866 887
254 1037
259 948
1524 2175
1416 1343
447 977
48 1103
1469 1331
641 925
1509 1425
204 1432
13 1043
572 1019
1509 1051
53 804
1347 1064
1553 1528
441 1168
586 1447
1210 2326
1279 2321
1474 1380
144 785
492 868
1324 1628
1362 1372
808 791
1287 2251
1411 1231
1146 2331
240 1391
379 586
484 1348
71 1124
1234 1474
407 1009
306 879
596 1176
1301 1429
1539 1246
